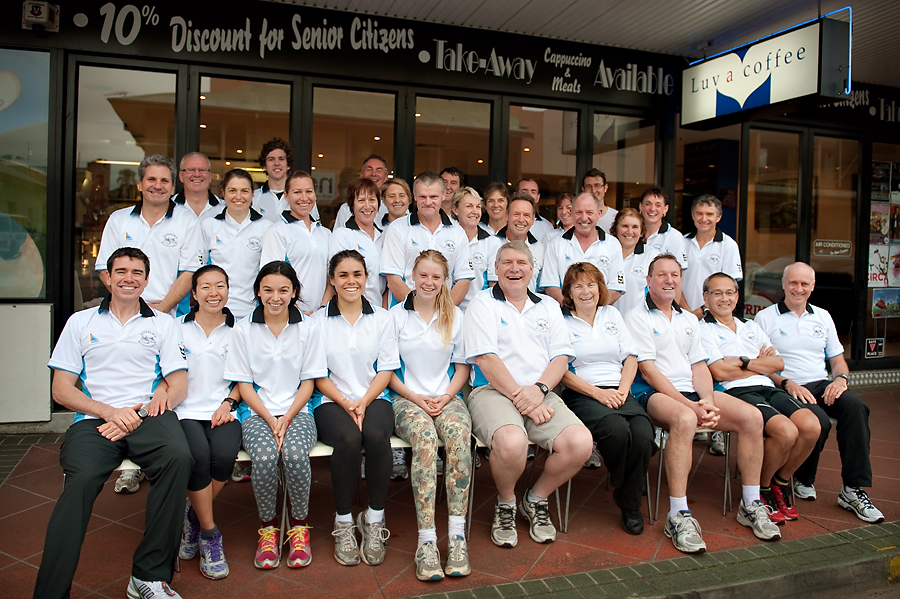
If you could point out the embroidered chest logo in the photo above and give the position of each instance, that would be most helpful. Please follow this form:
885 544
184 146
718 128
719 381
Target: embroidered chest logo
611 328
170 240
637 271
603 261
541 325
253 244
689 333
148 339
94 339
478 258
818 331
751 337
450 245
714 260
224 354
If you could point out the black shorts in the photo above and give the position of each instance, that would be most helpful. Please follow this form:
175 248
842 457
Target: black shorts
771 401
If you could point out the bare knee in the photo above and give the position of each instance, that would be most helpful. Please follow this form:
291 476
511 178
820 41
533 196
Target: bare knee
509 443
575 442
782 431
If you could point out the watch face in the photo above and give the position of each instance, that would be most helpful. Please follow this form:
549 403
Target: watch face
143 413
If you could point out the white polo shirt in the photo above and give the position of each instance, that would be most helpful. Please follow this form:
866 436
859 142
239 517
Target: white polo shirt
674 344
482 254
207 386
211 208
173 244
237 248
605 254
351 237
720 342
605 222
802 342
668 240
276 366
526 342
538 251
426 362
271 204
119 365
406 238
487 228
344 215
636 266
541 227
719 255
356 353
600 349
307 250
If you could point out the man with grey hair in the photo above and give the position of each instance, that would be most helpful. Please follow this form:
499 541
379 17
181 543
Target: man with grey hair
518 342
374 167
195 174
429 228
802 334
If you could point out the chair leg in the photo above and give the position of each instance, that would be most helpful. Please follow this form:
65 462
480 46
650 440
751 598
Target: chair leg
662 451
474 445
285 504
726 496
649 500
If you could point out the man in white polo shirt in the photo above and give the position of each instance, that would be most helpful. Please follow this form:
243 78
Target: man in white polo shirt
195 174
594 181
803 334
276 158
519 345
675 387
429 228
584 242
542 226
520 215
707 251
659 235
119 353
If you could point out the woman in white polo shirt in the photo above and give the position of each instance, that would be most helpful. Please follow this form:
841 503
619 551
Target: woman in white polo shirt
598 387
233 240
275 356
301 240
428 406
396 196
206 415
465 208
352 408
628 228
360 233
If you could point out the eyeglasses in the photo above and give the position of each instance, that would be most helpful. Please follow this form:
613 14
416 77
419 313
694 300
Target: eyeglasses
195 170
718 294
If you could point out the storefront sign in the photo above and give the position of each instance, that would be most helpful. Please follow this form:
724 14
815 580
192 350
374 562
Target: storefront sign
300 39
775 70
875 347
832 247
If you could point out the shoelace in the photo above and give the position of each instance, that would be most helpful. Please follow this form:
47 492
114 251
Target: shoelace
431 554
298 537
215 549
456 550
399 458
267 541
688 525
863 499
378 534
345 535
506 517
542 513
761 506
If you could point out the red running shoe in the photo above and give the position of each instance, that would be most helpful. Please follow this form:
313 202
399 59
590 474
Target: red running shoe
768 497
783 501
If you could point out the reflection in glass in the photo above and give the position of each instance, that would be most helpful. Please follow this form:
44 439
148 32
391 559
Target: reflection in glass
348 126
884 252
123 116
772 198
236 118
543 146
453 133
24 106
625 150
707 162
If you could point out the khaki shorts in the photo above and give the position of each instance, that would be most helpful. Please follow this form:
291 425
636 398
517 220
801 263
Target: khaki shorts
491 410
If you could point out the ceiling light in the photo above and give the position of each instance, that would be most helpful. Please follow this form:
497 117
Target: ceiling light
239 151
418 114
526 149
202 97
202 126
321 155
377 138
227 163
121 162
313 168
480 161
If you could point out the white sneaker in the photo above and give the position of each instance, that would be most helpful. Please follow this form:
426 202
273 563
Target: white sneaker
716 443
857 501
594 460
685 533
801 491
129 481
157 589
756 517
399 471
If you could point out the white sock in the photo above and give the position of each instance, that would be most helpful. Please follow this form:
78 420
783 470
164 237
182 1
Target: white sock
457 526
750 494
849 490
343 518
375 516
534 498
509 504
427 535
677 504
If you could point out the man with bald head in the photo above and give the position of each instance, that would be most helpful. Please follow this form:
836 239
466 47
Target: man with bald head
803 333
195 174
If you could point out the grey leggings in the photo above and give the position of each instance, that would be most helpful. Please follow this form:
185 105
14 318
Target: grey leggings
263 449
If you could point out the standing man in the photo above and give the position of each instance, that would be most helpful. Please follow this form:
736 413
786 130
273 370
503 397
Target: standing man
429 228
452 177
658 233
121 352
374 167
519 345
674 386
276 158
584 242
520 215
542 226
195 174
594 181
708 251
803 334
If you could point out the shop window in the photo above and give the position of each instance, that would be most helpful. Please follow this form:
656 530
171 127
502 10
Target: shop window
123 116
883 297
348 126
543 144
454 133
625 150
833 228
772 200
24 106
236 118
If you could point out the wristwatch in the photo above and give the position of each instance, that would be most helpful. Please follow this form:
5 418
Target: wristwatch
745 362
784 383
544 388
142 413
843 376
232 402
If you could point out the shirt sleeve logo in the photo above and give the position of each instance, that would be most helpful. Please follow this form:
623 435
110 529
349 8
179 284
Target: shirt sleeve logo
818 331
184 351
148 339
170 240
542 325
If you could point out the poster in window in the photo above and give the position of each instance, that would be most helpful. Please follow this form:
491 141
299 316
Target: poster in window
895 183
895 223
878 265
893 267
879 223
881 181
886 303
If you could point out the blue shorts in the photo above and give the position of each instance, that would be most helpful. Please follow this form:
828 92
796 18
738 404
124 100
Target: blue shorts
647 391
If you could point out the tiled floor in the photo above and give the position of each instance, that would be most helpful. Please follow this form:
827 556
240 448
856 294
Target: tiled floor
594 539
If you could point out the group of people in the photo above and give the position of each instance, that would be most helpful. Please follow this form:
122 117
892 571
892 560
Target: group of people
293 333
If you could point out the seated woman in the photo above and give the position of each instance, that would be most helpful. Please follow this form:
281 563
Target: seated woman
212 432
598 387
275 357
351 407
428 405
